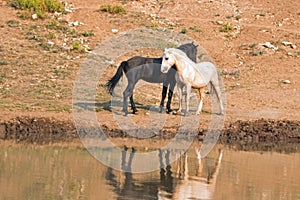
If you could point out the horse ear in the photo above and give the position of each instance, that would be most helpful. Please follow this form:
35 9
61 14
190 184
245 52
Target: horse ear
196 45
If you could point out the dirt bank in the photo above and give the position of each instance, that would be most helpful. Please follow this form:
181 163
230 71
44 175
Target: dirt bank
50 130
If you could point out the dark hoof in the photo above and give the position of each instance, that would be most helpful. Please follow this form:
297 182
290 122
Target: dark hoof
169 111
135 111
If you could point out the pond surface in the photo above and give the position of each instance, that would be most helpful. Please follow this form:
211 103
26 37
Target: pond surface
49 172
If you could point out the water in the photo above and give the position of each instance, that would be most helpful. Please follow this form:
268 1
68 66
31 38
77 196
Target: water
49 172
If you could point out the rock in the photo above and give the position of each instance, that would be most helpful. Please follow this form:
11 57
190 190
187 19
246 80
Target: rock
269 45
68 10
114 30
34 16
50 43
286 81
219 22
75 23
285 43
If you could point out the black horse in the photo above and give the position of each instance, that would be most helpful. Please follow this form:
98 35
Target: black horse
148 69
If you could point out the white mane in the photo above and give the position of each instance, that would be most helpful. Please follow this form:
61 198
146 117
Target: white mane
180 53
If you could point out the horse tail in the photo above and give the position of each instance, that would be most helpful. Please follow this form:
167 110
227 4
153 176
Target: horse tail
111 84
210 88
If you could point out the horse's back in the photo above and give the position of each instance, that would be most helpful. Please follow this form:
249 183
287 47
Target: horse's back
206 67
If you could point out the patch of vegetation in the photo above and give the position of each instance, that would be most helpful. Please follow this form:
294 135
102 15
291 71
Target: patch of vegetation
61 73
12 23
46 46
117 9
50 35
3 62
184 31
251 46
56 25
154 25
195 28
258 52
39 7
2 78
88 33
23 15
75 46
226 27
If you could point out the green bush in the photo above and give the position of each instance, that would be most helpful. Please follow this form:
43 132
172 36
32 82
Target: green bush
226 27
40 7
112 9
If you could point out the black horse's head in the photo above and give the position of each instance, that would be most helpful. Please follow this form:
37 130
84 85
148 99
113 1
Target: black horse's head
190 49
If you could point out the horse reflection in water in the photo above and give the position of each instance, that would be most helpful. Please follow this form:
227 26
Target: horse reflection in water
172 184
127 187
196 187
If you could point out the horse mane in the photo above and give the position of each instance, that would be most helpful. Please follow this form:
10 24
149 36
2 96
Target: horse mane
178 52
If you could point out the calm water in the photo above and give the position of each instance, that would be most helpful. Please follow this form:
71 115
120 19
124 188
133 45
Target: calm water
28 172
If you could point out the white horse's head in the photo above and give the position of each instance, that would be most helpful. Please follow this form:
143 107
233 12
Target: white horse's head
168 61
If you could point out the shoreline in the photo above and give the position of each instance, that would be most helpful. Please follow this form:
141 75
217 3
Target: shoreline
48 130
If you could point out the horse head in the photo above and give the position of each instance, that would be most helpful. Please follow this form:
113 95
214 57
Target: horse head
168 60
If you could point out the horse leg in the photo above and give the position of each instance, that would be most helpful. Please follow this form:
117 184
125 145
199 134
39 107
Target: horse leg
187 98
180 94
163 97
127 92
201 94
134 110
170 95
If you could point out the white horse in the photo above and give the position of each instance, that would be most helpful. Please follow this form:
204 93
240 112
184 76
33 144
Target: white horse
191 75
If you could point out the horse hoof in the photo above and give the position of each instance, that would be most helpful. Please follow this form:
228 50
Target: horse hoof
174 112
135 112
169 110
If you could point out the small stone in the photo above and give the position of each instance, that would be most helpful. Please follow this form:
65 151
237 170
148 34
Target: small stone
220 22
114 30
285 43
286 81
270 46
293 46
34 16
68 10
50 43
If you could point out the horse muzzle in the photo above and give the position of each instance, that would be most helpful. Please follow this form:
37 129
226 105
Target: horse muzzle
164 69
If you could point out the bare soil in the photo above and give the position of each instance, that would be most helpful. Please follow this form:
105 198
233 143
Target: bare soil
39 61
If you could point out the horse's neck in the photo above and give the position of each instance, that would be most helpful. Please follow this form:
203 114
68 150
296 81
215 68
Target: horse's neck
185 63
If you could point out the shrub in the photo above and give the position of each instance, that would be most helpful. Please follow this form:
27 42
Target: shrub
112 9
40 7
226 27
184 31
